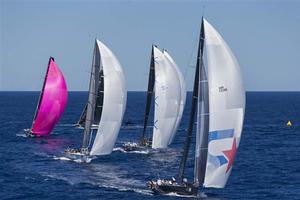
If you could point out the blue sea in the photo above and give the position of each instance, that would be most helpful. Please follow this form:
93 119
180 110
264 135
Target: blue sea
267 165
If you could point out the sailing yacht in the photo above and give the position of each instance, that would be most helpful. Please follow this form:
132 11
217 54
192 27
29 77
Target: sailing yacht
52 102
218 104
167 86
107 98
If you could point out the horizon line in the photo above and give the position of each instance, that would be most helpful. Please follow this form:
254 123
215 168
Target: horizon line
146 91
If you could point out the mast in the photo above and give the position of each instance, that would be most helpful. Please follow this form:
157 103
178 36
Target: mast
42 92
93 92
151 82
202 120
193 107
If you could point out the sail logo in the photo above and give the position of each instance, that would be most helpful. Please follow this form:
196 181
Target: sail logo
220 157
222 89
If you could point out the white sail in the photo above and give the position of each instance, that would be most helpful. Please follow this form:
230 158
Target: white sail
226 108
182 94
167 100
114 102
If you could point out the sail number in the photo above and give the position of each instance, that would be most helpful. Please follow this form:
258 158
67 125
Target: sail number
222 89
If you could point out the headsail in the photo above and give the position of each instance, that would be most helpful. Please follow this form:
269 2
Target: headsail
182 92
226 108
52 102
167 100
114 102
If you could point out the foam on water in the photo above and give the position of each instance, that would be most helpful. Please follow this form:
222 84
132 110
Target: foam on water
88 160
62 158
21 135
123 151
178 195
103 176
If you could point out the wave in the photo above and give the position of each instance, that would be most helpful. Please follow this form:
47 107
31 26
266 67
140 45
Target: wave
140 191
201 195
102 175
87 160
21 135
173 194
61 158
138 152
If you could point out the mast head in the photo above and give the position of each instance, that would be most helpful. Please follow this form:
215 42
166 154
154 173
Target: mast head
154 45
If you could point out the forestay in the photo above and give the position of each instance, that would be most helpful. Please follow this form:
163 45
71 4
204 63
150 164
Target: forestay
226 107
167 100
114 102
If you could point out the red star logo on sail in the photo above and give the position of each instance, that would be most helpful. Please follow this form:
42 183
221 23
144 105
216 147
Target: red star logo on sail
230 154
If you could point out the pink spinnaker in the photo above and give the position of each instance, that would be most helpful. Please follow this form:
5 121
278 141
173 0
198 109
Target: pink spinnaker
52 102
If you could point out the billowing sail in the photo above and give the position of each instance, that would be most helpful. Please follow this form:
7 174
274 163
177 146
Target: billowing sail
52 102
226 108
182 94
167 100
114 102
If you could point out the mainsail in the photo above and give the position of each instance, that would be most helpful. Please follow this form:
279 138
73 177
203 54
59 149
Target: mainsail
219 100
98 106
150 91
202 116
93 93
167 100
52 101
114 101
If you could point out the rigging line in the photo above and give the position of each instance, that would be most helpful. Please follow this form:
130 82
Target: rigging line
91 136
189 64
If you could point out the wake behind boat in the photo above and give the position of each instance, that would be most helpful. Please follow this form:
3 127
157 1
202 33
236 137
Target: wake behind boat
51 104
78 154
218 103
106 103
167 81
138 147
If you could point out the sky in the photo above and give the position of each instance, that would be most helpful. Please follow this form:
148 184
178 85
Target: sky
263 35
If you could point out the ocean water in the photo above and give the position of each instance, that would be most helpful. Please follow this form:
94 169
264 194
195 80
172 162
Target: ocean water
267 165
